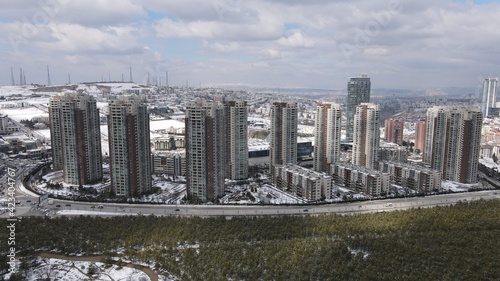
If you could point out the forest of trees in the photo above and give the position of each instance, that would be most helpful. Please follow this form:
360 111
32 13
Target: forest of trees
460 242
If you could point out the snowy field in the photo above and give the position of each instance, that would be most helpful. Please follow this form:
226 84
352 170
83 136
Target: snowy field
19 114
165 124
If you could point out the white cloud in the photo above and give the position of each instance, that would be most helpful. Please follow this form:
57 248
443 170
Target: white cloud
223 48
167 28
238 40
375 51
75 39
270 54
296 40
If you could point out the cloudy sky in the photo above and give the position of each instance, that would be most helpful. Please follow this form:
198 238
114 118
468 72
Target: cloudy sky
279 43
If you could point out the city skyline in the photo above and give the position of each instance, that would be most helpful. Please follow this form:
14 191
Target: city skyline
400 44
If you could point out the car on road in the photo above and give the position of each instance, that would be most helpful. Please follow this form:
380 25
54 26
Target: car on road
68 205
57 206
177 210
388 205
93 207
28 201
306 210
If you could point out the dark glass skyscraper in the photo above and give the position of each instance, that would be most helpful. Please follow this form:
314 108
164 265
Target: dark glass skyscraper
358 91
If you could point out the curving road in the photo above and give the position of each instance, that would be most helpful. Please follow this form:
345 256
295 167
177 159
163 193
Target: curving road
62 207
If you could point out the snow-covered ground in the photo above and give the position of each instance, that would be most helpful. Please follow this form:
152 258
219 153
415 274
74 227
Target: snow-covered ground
90 213
488 162
23 113
457 187
255 194
165 124
66 270
171 192
66 190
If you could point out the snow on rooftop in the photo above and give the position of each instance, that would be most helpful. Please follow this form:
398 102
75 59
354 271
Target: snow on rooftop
45 133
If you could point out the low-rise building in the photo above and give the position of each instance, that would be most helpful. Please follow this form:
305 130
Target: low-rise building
414 177
169 142
393 153
360 179
303 182
171 164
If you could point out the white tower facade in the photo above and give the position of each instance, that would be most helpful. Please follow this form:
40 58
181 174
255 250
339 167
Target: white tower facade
284 122
366 135
489 95
327 136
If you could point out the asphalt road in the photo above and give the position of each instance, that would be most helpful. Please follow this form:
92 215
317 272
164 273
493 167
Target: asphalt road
63 207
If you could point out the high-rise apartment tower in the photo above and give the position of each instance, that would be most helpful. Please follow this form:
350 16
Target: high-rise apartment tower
327 136
237 141
205 151
284 122
452 143
129 146
366 135
394 128
420 136
75 136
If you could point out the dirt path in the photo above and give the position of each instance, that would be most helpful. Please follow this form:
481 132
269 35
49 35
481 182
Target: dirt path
150 273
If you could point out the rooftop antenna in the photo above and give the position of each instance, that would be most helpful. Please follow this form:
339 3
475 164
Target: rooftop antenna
48 76
24 78
147 82
12 76
102 78
122 78
130 79
166 81
69 78
109 76
20 76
